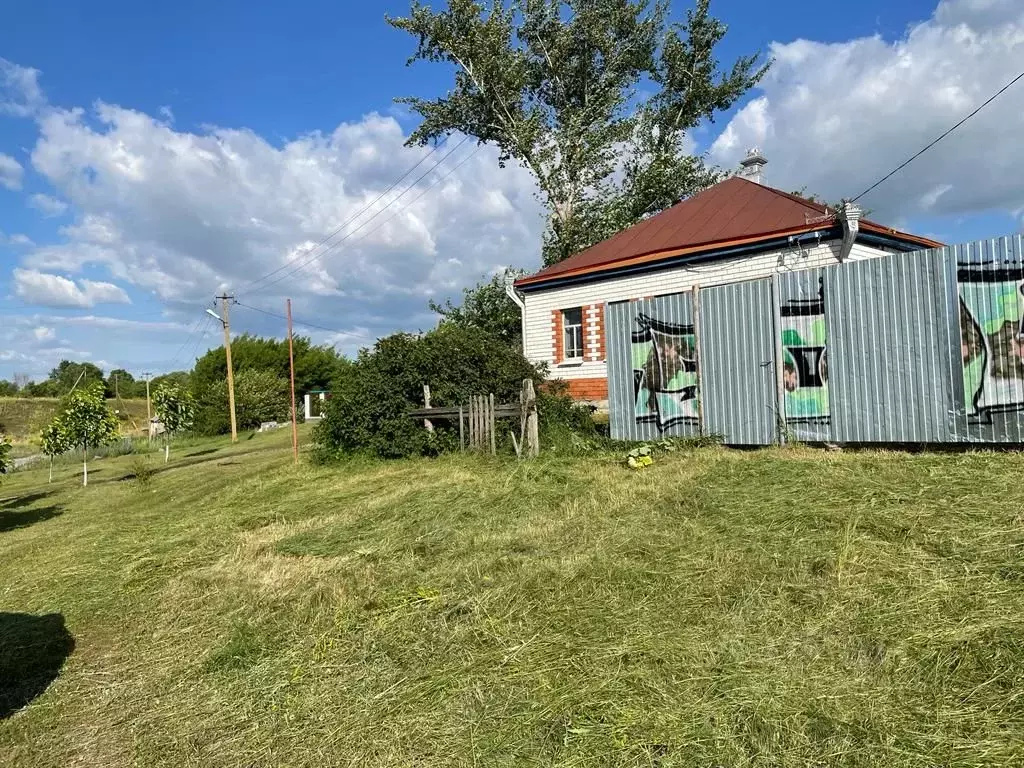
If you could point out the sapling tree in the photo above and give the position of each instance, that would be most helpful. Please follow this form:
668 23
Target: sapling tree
55 441
5 456
176 409
86 422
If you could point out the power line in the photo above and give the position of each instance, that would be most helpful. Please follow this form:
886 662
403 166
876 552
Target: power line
304 323
988 101
195 327
394 213
352 218
313 257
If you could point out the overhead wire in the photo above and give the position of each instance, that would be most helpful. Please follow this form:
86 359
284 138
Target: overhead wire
303 323
314 256
352 218
916 155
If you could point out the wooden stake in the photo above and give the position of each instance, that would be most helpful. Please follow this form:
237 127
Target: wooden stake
291 366
490 426
462 436
532 424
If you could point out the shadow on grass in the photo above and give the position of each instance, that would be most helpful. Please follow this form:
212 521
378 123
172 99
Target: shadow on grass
32 652
207 452
18 502
12 519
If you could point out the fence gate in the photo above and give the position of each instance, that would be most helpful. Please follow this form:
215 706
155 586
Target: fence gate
737 367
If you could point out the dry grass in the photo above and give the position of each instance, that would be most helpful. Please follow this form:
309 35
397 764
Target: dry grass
22 418
782 608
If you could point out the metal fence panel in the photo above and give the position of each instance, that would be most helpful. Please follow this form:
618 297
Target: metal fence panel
737 369
990 312
892 348
804 332
652 368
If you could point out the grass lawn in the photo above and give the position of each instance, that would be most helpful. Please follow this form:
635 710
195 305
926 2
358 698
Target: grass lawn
722 608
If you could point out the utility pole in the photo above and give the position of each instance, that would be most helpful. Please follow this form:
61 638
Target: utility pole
291 365
149 409
225 321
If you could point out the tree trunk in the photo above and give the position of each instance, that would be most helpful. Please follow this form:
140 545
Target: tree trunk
85 471
167 452
51 470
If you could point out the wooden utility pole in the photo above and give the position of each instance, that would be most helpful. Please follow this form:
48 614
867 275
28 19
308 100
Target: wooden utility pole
291 366
226 322
149 409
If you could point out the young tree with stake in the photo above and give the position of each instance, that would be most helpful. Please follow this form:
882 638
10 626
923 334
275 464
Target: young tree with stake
55 441
86 422
176 409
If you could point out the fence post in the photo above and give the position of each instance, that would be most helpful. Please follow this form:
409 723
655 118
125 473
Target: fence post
426 404
701 428
462 437
532 425
779 362
490 403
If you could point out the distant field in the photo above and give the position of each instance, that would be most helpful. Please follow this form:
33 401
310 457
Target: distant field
721 608
22 418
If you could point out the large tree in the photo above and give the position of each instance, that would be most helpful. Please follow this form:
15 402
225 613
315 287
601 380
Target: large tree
486 307
593 97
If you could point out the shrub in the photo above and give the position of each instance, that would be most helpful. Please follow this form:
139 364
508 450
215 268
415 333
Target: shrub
371 399
260 395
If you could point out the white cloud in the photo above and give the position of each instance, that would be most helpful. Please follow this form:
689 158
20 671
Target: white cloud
43 333
19 239
55 291
20 94
184 215
47 205
11 172
835 117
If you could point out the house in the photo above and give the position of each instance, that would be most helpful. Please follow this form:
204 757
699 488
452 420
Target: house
737 230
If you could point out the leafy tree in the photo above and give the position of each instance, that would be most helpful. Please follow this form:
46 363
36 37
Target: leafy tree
86 422
315 366
260 395
54 441
559 87
180 379
5 455
8 388
487 307
176 408
369 402
123 384
68 374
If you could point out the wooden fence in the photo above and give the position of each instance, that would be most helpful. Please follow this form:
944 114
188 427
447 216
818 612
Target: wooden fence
477 420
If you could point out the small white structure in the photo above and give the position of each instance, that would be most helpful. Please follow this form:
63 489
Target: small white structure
313 407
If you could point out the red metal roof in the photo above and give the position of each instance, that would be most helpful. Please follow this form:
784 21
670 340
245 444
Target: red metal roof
734 211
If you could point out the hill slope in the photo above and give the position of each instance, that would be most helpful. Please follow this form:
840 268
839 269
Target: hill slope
720 608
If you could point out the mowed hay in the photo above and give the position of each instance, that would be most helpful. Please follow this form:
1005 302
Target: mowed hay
777 608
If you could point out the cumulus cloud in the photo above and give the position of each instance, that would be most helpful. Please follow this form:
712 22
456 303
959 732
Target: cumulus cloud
43 333
49 290
47 205
11 172
184 215
835 117
20 94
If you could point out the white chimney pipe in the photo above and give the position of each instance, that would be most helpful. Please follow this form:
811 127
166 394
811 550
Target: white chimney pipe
849 215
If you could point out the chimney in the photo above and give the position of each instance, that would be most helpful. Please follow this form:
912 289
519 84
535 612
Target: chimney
752 166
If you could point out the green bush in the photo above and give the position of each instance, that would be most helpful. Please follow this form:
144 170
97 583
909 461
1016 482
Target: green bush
370 400
260 395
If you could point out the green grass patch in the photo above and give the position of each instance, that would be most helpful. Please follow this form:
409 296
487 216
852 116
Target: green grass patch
770 608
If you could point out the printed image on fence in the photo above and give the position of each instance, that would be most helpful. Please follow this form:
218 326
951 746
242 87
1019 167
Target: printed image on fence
664 372
915 347
992 339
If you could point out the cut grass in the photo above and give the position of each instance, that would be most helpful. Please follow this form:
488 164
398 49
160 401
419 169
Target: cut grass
788 608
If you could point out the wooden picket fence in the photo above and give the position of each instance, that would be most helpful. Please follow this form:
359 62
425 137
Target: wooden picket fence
477 420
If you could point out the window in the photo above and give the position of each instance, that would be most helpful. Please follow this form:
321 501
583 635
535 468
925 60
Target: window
572 333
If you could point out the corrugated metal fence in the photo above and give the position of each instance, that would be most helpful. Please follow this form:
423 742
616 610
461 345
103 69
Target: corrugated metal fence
926 347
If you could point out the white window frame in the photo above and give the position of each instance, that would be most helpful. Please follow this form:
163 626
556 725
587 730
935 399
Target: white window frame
572 332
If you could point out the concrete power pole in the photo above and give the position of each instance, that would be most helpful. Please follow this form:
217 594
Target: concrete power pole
226 322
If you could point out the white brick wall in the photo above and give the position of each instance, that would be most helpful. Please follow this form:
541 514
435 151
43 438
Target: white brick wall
539 304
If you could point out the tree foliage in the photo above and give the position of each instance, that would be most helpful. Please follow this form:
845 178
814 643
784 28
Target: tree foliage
175 407
370 401
82 421
5 456
486 307
8 388
55 439
260 395
560 86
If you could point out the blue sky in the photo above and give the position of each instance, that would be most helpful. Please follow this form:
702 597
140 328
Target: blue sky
120 221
